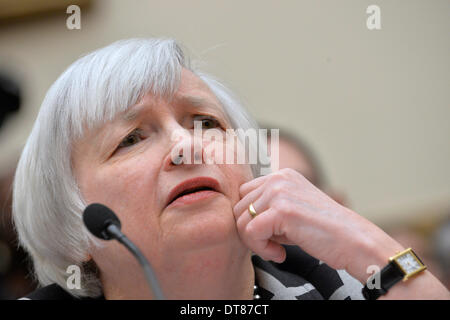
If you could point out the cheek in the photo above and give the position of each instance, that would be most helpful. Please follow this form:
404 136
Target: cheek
112 183
127 189
236 175
227 149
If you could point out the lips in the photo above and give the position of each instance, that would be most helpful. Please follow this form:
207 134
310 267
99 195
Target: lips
191 186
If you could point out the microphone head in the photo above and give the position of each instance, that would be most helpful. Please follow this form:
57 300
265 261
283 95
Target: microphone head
97 217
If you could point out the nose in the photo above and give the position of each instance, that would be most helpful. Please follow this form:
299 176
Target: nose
186 149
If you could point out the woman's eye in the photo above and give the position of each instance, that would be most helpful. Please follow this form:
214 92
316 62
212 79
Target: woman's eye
131 139
208 122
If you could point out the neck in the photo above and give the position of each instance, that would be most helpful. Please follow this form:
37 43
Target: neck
204 274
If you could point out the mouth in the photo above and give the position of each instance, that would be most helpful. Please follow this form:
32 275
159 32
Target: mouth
193 190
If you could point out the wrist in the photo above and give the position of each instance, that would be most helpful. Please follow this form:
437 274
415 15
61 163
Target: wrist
424 286
405 277
374 256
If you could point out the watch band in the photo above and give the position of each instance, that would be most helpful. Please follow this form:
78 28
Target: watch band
389 276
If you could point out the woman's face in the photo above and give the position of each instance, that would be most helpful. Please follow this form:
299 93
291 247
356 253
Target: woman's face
127 165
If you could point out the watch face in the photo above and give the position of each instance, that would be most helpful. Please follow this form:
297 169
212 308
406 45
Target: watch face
409 263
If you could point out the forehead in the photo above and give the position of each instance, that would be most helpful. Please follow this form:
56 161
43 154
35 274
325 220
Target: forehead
192 91
190 81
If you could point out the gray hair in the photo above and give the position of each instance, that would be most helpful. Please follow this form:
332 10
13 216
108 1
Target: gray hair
47 202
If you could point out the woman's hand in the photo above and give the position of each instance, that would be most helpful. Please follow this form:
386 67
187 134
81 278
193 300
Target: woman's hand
293 211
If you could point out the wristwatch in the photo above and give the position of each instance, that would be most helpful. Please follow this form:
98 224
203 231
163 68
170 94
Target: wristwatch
402 266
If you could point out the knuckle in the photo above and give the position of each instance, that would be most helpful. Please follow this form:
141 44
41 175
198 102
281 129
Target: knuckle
290 173
282 205
286 172
275 177
277 189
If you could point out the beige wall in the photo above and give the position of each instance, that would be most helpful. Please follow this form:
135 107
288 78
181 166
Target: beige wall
375 105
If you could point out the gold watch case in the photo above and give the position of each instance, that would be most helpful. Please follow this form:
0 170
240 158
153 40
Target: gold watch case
409 263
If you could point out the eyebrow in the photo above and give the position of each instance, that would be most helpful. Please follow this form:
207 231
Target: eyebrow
203 103
196 101
132 113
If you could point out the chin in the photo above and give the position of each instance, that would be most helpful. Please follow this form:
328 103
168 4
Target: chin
202 226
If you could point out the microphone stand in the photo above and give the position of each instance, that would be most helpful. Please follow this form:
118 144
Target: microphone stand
115 233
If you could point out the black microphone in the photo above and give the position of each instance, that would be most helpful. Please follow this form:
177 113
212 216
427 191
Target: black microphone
103 223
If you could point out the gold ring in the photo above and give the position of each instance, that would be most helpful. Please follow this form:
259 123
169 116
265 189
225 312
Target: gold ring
251 210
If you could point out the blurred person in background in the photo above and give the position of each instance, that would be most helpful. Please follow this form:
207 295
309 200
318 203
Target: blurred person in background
297 154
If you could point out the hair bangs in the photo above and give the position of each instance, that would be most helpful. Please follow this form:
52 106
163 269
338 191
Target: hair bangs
110 80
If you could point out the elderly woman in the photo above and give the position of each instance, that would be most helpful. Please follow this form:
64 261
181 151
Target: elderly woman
107 132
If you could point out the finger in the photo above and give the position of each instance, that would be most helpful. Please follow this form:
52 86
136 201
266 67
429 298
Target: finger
251 185
271 251
282 240
259 232
263 227
243 204
241 223
268 226
260 204
245 217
